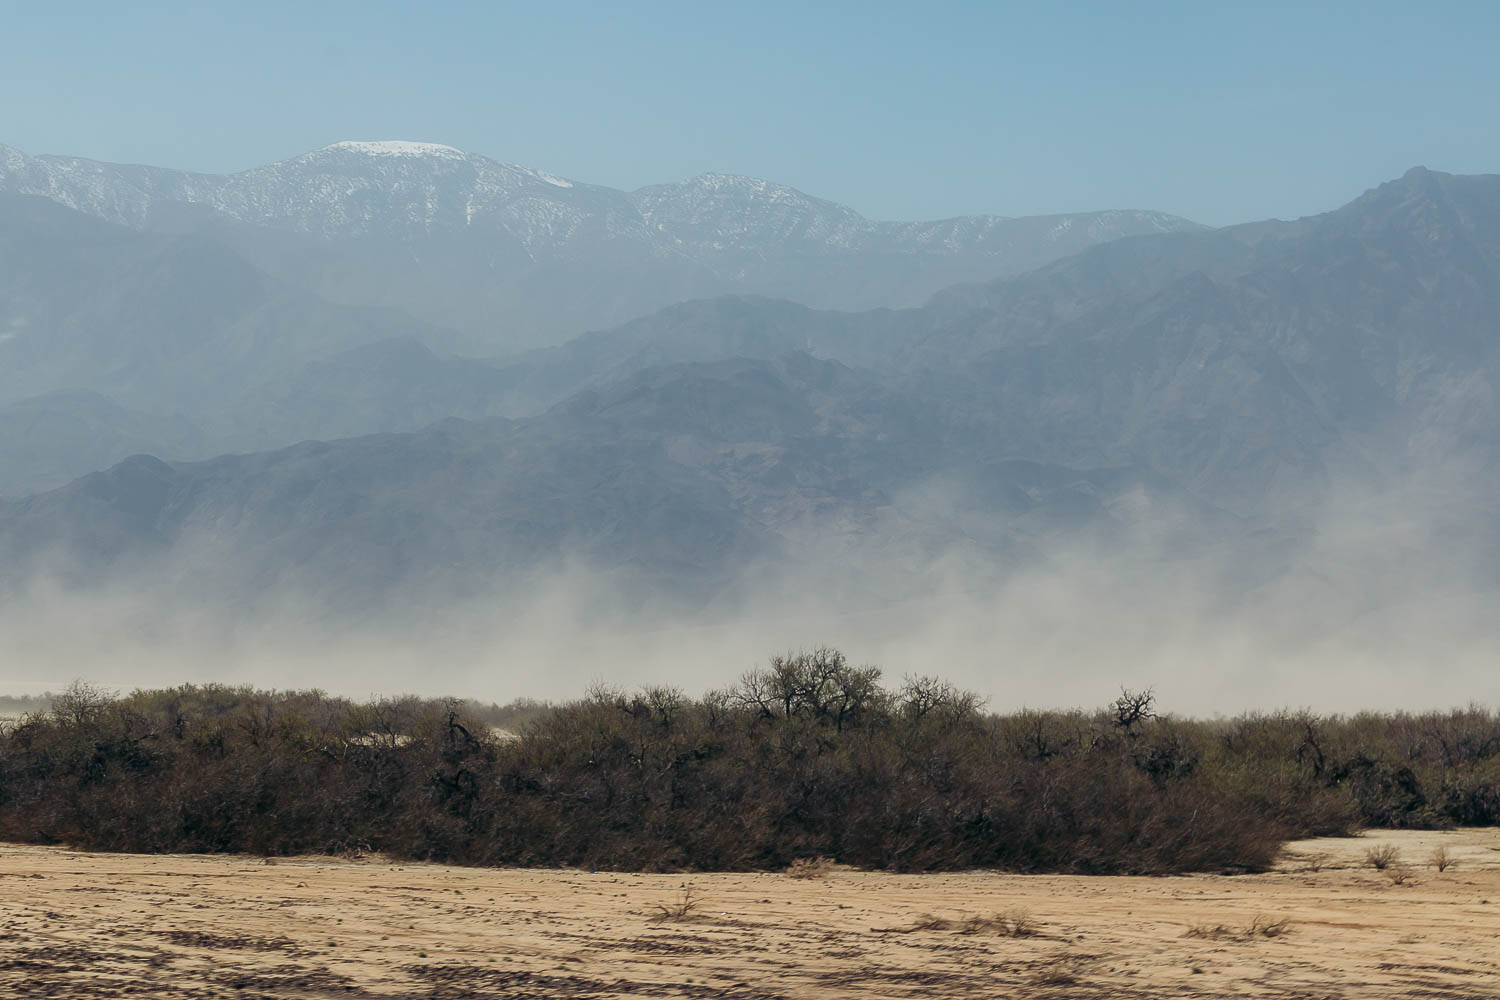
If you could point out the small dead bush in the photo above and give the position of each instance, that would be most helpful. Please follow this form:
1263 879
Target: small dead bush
1021 924
680 909
1441 859
1259 927
819 867
1399 875
1062 971
1209 932
1013 923
1382 857
1263 927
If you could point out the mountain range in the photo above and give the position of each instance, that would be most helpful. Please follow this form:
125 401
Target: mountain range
369 287
1241 391
512 257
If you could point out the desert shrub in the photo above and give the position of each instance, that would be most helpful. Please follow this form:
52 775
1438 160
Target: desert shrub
681 908
1013 923
809 758
1258 927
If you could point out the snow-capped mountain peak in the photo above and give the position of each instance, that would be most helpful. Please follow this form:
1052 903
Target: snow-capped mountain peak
394 147
742 182
547 178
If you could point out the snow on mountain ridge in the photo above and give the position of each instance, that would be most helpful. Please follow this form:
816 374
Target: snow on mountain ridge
552 179
395 147
718 212
355 188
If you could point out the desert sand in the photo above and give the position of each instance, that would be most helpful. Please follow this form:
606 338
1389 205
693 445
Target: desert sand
1324 924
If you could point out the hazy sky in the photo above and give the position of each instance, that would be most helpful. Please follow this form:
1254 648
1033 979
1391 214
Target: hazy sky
1220 112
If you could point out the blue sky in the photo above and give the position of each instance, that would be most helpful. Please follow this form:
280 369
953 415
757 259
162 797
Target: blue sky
1220 112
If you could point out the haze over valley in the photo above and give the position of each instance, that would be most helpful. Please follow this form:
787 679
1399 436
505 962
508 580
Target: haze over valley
397 399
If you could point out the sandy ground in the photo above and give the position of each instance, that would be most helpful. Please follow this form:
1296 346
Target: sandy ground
93 925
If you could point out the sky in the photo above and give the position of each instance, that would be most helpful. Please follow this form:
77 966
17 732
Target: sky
1221 112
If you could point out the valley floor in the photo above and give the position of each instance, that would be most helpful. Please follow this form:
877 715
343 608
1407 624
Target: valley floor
92 925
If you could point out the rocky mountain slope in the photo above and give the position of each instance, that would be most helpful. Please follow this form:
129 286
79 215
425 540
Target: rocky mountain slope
1253 388
1250 364
678 479
205 352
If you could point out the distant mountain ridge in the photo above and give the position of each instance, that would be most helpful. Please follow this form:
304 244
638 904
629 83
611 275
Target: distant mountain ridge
678 479
427 186
516 256
1275 398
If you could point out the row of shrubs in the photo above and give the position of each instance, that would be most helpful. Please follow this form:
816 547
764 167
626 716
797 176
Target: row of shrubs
808 757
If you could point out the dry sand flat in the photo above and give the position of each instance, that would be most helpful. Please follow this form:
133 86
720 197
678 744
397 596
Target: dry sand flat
90 925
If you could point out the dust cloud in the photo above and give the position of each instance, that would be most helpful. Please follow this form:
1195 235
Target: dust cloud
1379 600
